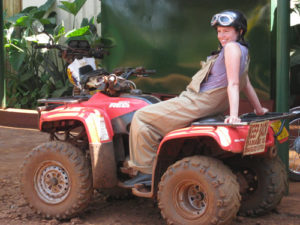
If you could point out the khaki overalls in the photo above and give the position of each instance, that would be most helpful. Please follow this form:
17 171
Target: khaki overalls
151 123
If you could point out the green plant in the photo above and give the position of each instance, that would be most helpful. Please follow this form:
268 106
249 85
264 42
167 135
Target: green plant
72 7
36 73
87 30
33 74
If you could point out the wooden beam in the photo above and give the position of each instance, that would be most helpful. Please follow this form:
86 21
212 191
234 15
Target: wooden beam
12 6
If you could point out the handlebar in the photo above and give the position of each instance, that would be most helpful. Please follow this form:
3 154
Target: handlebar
127 72
117 82
142 70
150 71
48 46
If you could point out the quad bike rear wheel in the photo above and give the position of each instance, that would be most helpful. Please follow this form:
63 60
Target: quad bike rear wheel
56 180
263 182
198 190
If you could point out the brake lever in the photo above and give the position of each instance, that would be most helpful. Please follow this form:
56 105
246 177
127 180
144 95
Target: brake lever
142 75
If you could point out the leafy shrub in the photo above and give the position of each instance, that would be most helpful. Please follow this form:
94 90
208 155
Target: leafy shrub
35 74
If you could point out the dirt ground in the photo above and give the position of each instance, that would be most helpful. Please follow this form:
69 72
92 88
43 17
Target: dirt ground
16 143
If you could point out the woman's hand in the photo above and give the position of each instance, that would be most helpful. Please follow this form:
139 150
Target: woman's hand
232 119
261 111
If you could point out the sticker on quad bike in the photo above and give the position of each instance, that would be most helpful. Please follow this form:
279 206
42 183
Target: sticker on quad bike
284 135
256 139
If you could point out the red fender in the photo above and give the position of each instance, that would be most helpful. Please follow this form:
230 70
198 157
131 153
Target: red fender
93 120
229 138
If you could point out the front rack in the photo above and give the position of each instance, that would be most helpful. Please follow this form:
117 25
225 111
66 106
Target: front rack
64 100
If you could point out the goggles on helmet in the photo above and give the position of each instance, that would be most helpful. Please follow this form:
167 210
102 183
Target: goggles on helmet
223 19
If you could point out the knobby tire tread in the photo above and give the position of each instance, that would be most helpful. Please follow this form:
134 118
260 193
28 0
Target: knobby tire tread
82 170
222 179
275 174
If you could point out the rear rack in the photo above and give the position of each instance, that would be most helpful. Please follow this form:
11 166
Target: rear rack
252 117
246 119
219 124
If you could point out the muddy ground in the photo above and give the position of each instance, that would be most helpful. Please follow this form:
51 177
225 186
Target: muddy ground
16 143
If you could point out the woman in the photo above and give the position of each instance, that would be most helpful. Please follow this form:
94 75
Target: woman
212 89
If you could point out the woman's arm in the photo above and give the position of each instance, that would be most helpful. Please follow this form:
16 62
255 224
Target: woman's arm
232 55
253 99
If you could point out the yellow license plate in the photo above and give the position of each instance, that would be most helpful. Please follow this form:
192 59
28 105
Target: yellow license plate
283 136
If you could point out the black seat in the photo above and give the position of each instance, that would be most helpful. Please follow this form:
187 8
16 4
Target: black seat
209 120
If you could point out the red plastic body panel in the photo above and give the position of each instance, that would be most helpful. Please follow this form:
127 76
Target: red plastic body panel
90 118
91 111
114 106
231 139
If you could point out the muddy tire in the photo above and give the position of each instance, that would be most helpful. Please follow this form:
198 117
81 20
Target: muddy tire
198 190
263 183
56 180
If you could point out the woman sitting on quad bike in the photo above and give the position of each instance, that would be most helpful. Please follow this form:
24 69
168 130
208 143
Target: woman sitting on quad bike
212 89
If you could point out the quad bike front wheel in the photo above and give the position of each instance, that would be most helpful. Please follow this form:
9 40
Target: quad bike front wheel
263 182
198 190
294 150
56 180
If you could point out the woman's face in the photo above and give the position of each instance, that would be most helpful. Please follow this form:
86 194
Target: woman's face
226 35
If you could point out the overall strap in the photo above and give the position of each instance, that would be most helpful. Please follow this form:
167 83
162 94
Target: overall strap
194 85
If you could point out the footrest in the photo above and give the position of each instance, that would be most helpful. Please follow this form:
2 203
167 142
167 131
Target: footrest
129 171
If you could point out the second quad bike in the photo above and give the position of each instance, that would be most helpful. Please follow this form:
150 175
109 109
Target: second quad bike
205 173
294 147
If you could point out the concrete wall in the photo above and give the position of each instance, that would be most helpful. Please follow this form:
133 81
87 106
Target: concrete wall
91 8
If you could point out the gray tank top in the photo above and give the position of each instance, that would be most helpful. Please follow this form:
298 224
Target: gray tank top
217 77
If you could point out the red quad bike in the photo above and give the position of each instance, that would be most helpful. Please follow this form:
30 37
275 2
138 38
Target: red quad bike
203 174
